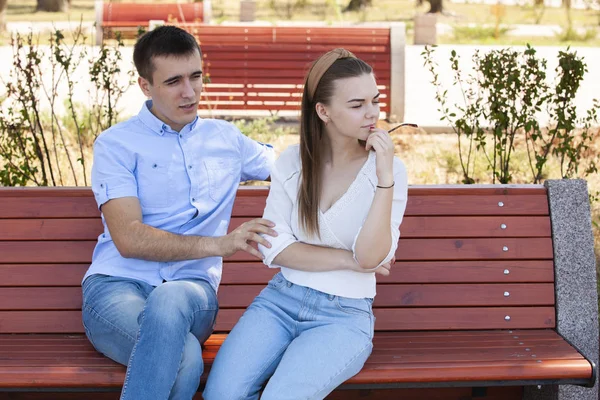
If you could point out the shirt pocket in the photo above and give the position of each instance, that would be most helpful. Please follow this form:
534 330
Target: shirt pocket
153 183
223 176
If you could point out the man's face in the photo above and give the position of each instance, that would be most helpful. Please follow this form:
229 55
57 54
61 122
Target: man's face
176 89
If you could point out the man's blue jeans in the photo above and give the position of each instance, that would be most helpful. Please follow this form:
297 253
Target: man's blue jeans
155 331
307 342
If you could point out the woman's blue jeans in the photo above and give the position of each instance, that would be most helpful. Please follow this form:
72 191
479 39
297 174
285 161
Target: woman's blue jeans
155 331
307 342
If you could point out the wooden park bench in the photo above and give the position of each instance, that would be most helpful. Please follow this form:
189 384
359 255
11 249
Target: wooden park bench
493 293
130 18
253 69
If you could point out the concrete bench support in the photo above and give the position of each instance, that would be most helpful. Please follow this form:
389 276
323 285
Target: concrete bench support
575 276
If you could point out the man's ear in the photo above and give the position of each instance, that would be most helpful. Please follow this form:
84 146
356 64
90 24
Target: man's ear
322 112
145 86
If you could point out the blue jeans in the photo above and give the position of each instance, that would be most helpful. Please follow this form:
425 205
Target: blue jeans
155 331
307 342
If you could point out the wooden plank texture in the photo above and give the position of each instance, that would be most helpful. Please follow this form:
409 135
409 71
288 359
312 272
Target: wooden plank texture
388 319
250 202
240 296
539 354
256 272
64 251
412 227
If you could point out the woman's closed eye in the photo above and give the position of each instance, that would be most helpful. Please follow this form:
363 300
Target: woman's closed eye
360 105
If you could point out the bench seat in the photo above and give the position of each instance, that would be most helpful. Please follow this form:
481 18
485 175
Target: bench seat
399 359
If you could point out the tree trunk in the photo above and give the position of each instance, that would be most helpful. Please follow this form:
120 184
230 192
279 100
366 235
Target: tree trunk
2 15
53 5
436 6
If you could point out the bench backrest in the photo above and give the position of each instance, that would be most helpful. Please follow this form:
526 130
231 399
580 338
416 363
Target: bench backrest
141 13
468 258
263 68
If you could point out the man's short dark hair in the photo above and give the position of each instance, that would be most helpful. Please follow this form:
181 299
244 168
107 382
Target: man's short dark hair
165 40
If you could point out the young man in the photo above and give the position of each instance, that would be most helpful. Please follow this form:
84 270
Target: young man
165 182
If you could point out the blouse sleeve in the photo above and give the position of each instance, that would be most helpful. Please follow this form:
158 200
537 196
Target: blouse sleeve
279 208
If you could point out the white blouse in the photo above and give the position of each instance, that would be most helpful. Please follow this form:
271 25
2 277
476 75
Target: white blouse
339 226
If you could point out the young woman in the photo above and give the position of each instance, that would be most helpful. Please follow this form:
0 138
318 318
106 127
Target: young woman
337 201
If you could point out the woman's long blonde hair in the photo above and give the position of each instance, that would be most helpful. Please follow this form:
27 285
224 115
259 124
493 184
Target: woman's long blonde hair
319 88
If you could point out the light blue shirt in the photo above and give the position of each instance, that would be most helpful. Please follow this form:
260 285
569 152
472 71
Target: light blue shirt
186 183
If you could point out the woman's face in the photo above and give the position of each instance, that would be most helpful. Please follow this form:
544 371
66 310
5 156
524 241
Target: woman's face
353 109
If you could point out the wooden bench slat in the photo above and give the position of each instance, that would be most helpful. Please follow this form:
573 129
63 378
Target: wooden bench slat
267 73
457 339
415 190
470 271
17 275
276 48
313 31
382 356
441 318
465 318
64 251
395 347
409 337
356 40
237 296
217 54
467 372
292 69
464 295
387 319
53 203
477 205
474 249
412 227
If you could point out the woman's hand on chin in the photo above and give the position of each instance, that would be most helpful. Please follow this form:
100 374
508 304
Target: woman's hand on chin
380 141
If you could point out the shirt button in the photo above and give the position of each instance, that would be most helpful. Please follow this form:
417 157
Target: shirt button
189 166
181 136
193 199
154 165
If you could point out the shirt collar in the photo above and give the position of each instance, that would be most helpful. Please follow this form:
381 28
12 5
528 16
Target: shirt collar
156 125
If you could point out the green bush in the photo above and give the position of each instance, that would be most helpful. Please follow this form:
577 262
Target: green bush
502 99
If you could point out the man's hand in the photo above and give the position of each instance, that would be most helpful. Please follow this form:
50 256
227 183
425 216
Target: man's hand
245 234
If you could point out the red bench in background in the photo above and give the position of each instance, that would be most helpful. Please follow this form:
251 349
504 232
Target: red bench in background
130 18
251 68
